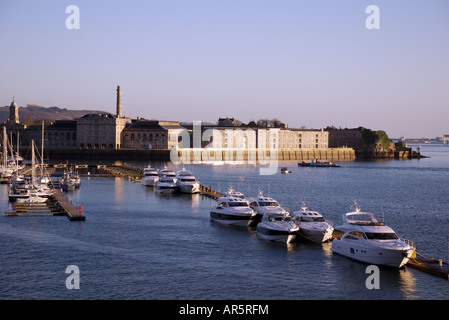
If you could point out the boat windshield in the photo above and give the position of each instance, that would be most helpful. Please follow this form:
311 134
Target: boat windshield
188 179
381 235
238 204
312 219
278 217
268 204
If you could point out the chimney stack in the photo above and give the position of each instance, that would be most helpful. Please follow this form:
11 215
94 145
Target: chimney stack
119 102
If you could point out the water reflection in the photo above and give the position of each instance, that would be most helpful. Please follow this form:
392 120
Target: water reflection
407 284
118 189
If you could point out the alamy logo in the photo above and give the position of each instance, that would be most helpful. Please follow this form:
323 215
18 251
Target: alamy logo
373 20
261 146
73 20
73 280
373 280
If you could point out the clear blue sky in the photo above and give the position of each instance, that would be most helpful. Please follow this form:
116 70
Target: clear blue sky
307 63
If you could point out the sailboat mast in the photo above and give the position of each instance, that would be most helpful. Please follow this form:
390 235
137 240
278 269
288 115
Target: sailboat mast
5 152
42 146
33 171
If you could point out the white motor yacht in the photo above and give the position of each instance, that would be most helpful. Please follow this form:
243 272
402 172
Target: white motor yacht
150 177
166 184
70 181
33 197
232 211
312 225
372 242
277 227
262 205
236 194
187 182
167 173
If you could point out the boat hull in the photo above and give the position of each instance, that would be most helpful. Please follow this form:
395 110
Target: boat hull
230 219
189 188
161 188
315 235
277 235
149 182
388 257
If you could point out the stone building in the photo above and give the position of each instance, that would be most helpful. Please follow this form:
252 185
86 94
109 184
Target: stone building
61 135
100 131
226 136
261 137
14 129
144 134
303 139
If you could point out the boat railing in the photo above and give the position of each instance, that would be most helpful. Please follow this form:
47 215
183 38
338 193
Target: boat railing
408 242
360 236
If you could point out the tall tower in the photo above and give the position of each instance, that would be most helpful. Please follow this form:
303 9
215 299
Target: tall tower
13 112
119 102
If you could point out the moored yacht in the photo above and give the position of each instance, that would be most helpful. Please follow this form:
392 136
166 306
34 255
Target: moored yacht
33 197
236 194
70 181
372 242
167 173
232 211
312 225
166 184
150 176
262 205
277 227
187 182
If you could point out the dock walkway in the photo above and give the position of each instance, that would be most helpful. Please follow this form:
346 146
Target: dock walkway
436 267
65 204
132 173
57 205
208 192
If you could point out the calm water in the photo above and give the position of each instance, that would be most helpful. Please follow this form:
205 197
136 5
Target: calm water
136 244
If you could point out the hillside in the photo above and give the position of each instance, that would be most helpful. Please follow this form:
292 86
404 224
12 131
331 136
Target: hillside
35 113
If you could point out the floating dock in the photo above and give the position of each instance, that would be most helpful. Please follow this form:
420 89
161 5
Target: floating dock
74 214
437 267
132 173
208 192
57 205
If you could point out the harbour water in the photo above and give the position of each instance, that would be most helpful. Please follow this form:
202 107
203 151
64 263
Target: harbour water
136 244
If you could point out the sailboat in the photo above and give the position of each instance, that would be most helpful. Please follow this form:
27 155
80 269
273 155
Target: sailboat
36 190
7 168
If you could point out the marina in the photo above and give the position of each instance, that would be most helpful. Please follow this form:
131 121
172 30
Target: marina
134 207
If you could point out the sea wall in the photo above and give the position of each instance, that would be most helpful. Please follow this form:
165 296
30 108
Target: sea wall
334 154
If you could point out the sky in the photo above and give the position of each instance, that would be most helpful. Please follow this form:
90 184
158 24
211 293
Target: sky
307 63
